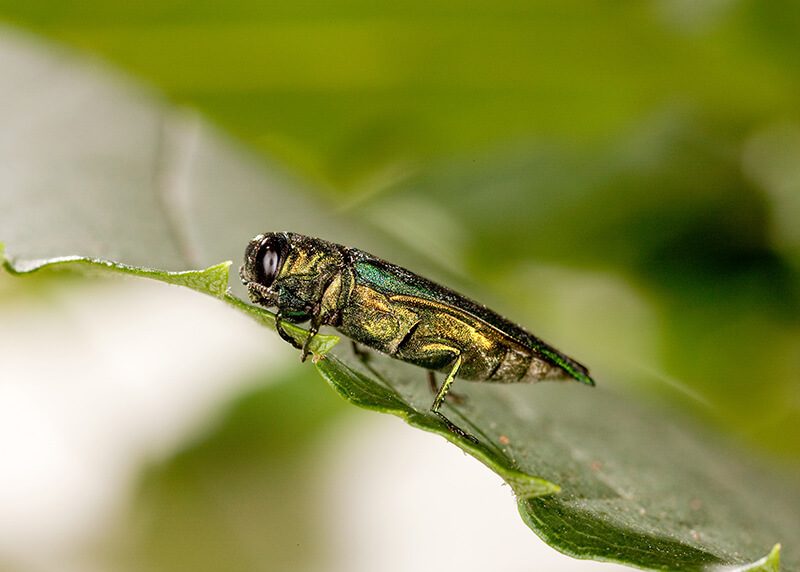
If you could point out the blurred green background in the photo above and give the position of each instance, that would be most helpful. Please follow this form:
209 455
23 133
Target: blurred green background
621 177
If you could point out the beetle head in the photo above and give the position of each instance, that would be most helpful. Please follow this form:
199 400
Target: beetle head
288 270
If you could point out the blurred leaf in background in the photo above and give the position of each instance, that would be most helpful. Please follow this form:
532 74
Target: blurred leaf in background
238 498
344 89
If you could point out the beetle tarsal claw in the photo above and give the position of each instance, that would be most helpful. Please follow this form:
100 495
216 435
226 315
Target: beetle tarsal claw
455 428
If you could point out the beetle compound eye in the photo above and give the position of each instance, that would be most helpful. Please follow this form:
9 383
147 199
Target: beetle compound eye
270 264
270 258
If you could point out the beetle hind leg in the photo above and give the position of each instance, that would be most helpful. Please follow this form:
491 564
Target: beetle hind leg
451 397
442 395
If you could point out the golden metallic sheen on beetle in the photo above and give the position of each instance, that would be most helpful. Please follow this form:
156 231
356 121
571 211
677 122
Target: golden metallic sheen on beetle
396 312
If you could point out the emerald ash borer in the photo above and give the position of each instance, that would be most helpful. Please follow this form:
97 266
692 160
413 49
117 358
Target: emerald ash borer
396 312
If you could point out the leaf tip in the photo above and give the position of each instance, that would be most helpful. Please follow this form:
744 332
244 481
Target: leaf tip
527 486
773 559
219 273
5 262
770 563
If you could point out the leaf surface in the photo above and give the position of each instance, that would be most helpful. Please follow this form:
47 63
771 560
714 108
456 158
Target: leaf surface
628 485
594 475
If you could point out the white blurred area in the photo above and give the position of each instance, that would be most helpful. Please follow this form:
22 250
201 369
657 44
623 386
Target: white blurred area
403 499
99 381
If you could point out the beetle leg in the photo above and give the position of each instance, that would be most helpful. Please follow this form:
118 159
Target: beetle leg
451 397
363 355
313 330
282 333
432 382
440 397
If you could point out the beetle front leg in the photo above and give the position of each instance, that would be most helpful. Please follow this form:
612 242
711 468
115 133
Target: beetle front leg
283 333
313 330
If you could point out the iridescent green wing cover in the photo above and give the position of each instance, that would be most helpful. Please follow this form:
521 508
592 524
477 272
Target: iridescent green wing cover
390 279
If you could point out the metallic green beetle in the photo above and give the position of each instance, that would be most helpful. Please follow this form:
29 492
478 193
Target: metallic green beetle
394 311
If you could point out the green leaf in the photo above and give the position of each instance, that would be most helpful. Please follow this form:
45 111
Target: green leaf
365 392
341 88
770 563
261 450
595 476
212 281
